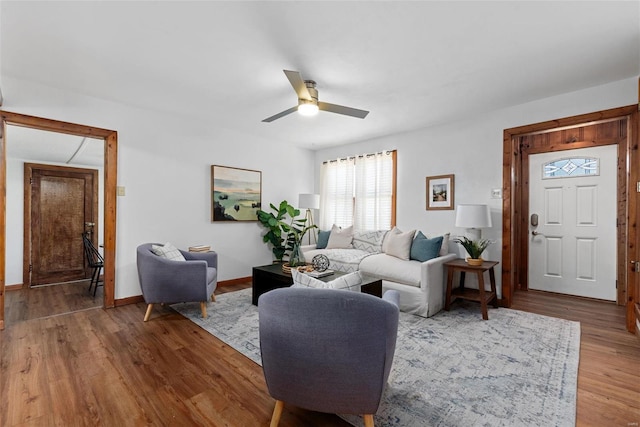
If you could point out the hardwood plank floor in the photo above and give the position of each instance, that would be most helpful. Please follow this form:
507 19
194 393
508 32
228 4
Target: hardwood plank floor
107 367
53 300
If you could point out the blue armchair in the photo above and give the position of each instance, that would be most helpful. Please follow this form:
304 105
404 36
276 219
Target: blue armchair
327 350
167 281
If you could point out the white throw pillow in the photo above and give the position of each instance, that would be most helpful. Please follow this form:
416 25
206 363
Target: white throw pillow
350 282
340 238
398 244
168 251
385 240
444 249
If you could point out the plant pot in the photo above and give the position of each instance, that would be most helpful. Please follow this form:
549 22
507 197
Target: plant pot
475 262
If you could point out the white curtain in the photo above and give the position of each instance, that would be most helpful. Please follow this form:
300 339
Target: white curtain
373 191
336 193
357 191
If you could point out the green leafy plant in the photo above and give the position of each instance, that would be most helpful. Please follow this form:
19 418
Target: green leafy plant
284 231
473 247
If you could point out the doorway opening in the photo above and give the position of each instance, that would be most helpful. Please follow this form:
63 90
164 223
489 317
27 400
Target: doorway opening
109 138
616 127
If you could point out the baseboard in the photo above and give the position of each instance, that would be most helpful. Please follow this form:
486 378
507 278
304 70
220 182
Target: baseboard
138 298
237 281
129 300
15 287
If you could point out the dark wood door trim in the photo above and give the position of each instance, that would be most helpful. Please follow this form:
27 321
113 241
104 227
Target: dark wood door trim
29 168
110 179
515 194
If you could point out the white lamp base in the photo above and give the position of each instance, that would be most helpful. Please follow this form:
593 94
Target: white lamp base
474 234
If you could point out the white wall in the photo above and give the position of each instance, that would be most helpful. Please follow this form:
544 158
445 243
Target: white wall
15 213
472 150
165 164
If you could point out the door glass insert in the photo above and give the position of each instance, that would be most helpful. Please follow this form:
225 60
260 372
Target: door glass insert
571 167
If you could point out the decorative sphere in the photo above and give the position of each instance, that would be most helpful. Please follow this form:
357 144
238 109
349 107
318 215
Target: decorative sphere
320 262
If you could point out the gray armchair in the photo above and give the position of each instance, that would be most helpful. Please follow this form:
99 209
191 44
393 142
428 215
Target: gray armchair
166 281
327 350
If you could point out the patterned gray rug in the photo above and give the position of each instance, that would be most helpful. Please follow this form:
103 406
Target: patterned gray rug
454 369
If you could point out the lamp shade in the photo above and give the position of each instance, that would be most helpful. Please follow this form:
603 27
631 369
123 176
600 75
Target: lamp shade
473 216
309 201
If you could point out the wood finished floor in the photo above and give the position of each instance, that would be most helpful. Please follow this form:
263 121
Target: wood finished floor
107 367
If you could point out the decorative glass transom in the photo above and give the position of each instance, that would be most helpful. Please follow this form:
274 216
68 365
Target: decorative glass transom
572 167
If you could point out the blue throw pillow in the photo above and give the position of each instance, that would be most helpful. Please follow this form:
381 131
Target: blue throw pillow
423 249
323 239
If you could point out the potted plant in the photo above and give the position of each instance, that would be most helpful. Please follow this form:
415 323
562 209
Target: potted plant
474 248
284 232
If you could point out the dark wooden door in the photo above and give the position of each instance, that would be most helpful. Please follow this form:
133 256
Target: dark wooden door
63 206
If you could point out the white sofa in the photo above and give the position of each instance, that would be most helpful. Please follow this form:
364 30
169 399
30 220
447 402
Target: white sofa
421 285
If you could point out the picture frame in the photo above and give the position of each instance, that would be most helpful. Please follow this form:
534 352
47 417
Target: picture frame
440 192
236 194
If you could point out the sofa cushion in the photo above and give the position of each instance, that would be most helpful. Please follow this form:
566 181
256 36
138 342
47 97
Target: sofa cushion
345 260
444 248
424 249
385 241
392 269
398 244
369 241
167 251
340 238
323 239
350 282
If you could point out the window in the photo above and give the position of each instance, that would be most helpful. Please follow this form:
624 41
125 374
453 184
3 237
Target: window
359 191
572 167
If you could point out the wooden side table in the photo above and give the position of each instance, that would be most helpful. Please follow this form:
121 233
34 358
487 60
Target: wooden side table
480 294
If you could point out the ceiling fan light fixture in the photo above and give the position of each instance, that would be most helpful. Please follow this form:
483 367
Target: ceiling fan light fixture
307 108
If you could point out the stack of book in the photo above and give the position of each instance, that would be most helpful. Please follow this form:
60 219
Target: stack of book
318 274
200 248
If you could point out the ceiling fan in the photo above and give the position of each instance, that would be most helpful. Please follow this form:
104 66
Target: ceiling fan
308 104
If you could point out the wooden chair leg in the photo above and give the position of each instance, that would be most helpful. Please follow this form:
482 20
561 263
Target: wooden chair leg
213 297
277 412
368 420
148 313
203 309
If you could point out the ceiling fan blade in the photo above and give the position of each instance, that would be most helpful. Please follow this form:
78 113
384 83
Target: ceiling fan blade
282 114
298 84
339 109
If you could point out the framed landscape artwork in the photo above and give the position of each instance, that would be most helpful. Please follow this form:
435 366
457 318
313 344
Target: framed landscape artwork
236 194
440 190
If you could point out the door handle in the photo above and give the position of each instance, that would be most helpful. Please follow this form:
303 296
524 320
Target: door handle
535 233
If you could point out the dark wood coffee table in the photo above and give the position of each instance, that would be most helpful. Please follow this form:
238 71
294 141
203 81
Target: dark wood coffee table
269 277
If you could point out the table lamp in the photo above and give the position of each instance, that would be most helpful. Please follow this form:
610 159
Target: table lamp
473 218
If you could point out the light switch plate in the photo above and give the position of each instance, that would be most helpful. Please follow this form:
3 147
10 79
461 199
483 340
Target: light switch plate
496 193
120 191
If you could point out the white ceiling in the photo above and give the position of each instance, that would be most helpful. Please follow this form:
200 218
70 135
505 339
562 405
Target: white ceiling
412 64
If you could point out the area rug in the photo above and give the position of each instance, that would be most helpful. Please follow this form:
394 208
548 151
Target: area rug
453 369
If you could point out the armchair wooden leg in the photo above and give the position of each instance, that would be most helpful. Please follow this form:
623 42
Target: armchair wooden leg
277 412
368 420
213 297
203 309
148 313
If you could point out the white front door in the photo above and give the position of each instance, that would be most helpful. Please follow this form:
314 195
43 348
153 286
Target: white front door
572 250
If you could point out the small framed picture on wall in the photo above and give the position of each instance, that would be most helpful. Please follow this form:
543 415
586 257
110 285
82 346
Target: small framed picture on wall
440 191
